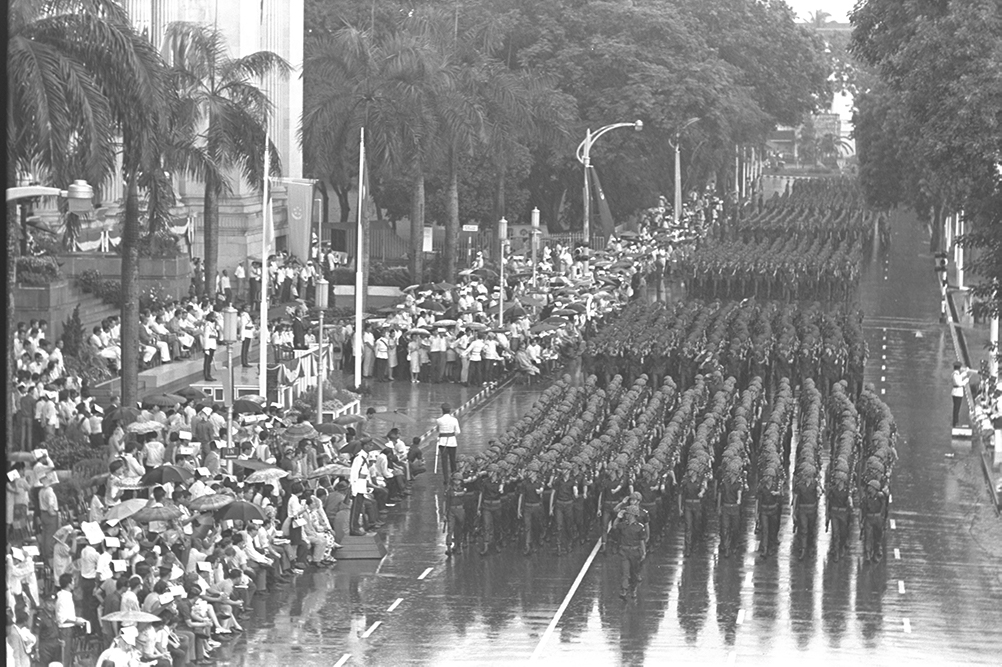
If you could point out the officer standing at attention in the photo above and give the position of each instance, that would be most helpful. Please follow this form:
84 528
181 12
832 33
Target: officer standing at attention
448 429
632 536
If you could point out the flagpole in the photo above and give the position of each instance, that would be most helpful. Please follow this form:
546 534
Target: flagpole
358 260
265 210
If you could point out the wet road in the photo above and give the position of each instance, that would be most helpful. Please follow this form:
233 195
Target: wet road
934 600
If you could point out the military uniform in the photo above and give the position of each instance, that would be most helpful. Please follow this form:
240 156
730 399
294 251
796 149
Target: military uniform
730 514
491 491
807 517
532 512
768 509
614 489
874 511
692 499
563 508
632 536
455 500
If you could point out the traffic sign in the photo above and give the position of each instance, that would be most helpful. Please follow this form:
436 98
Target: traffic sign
471 228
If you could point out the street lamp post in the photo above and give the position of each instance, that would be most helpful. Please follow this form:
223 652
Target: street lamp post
503 237
677 210
584 157
79 196
229 337
321 303
535 243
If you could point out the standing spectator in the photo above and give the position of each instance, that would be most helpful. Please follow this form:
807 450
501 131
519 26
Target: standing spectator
48 514
239 274
225 287
254 284
66 616
20 639
247 334
18 491
210 334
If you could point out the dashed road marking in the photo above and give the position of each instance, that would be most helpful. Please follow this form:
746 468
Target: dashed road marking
732 657
894 525
883 378
396 603
883 391
901 587
741 616
897 554
344 659
372 628
907 626
883 367
425 573
748 579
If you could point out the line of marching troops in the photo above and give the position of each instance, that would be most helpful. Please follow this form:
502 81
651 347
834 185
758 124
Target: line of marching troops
490 508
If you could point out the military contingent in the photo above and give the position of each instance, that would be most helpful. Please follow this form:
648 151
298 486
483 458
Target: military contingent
691 412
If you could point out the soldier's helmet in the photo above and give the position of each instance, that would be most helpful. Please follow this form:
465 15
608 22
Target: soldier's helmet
494 470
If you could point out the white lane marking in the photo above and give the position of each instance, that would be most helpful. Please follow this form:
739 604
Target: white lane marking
883 391
732 657
748 579
741 616
897 554
396 603
425 573
907 626
883 367
894 525
372 628
567 600
901 587
344 659
883 378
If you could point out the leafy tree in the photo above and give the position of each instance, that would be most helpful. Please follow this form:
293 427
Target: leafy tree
228 113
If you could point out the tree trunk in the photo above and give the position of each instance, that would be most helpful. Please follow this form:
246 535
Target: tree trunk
343 202
936 242
130 293
210 220
11 276
451 248
417 225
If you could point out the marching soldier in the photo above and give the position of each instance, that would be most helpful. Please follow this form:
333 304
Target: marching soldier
691 506
614 488
874 515
805 511
768 511
489 505
632 535
455 515
565 492
730 505
838 511
530 507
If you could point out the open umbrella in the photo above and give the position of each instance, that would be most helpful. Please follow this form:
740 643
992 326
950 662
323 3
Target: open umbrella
487 273
444 286
133 616
164 400
144 427
210 502
542 327
331 429
300 431
395 418
266 476
164 513
331 470
124 509
432 305
466 272
577 306
165 474
411 288
556 321
243 406
349 419
564 312
476 326
252 464
515 310
123 414
531 301
419 330
240 510
445 323
190 393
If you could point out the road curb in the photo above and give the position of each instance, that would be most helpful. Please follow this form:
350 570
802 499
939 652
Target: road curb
480 397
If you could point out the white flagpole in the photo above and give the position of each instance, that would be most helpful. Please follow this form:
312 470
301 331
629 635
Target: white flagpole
262 381
358 260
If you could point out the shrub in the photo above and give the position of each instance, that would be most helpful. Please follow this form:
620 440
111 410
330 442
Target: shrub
73 334
88 281
88 365
65 453
37 271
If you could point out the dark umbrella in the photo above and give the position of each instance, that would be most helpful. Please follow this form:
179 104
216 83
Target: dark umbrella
331 429
531 301
301 431
332 470
122 414
432 305
515 310
164 400
190 393
444 286
240 510
165 474
243 406
349 419
252 464
579 307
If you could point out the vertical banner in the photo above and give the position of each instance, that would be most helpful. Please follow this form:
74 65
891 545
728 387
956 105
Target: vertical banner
300 208
429 237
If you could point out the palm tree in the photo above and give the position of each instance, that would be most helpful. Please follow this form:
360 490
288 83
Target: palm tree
230 112
79 75
394 87
818 18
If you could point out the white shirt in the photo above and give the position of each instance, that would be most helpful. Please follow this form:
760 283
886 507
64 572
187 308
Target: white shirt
359 474
66 611
448 429
960 378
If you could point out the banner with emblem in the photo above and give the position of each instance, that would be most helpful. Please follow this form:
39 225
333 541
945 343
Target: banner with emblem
300 210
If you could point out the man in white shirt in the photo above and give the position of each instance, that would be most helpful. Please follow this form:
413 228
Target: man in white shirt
358 478
239 274
475 352
961 376
437 349
209 337
448 430
246 333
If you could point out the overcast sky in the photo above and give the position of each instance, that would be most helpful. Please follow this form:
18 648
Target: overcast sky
839 9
